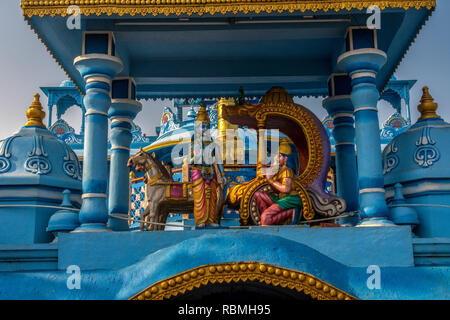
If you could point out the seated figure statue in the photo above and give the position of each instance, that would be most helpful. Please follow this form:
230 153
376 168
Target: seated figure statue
279 206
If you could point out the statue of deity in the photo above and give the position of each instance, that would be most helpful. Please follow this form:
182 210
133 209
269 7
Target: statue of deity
205 175
205 188
278 206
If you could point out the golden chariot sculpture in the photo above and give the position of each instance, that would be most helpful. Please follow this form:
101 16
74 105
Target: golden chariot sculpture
277 110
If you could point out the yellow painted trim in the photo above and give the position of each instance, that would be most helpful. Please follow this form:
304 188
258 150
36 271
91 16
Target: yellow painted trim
189 7
185 197
242 272
81 158
167 191
163 144
154 181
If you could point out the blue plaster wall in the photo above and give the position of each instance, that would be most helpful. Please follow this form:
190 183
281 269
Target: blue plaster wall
25 225
397 282
28 257
350 246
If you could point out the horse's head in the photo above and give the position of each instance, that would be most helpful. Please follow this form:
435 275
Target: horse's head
139 161
144 162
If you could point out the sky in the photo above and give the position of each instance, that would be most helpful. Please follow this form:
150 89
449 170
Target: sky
25 65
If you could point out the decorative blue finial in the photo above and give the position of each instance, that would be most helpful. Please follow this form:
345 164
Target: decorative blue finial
191 114
63 220
399 193
400 212
66 199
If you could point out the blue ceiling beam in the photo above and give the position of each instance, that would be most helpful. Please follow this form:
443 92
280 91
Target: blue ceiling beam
167 54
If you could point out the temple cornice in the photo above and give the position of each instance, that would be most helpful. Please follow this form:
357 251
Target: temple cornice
201 7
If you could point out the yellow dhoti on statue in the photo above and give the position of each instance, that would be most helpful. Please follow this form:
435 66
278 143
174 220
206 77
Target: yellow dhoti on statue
204 190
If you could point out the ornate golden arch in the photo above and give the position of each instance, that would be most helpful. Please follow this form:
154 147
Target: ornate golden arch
242 272
277 103
297 114
279 107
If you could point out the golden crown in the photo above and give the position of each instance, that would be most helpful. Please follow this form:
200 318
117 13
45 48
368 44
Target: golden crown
285 148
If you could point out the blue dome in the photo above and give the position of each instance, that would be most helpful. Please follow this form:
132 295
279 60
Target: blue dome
35 167
34 156
418 159
421 152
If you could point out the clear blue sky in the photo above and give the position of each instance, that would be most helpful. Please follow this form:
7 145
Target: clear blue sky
25 66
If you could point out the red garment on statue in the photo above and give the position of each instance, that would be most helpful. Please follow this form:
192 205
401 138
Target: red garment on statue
271 214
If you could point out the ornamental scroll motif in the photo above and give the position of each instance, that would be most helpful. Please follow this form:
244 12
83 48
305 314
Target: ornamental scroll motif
426 153
138 136
5 164
213 116
71 166
393 126
391 160
37 162
168 122
66 133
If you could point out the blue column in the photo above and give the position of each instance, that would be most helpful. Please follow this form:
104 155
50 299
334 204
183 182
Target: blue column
98 70
50 111
362 65
179 114
82 123
340 108
408 110
121 113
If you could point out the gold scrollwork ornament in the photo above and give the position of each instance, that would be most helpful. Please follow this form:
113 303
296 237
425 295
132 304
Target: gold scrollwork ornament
193 279
190 7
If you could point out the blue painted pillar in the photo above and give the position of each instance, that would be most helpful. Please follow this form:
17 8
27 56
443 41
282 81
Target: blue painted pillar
121 113
82 122
179 114
362 65
340 108
50 111
98 70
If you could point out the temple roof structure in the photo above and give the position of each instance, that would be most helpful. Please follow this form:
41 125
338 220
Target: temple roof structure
420 152
182 49
33 156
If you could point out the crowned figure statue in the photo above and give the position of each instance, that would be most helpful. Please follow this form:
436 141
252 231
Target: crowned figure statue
278 206
205 174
